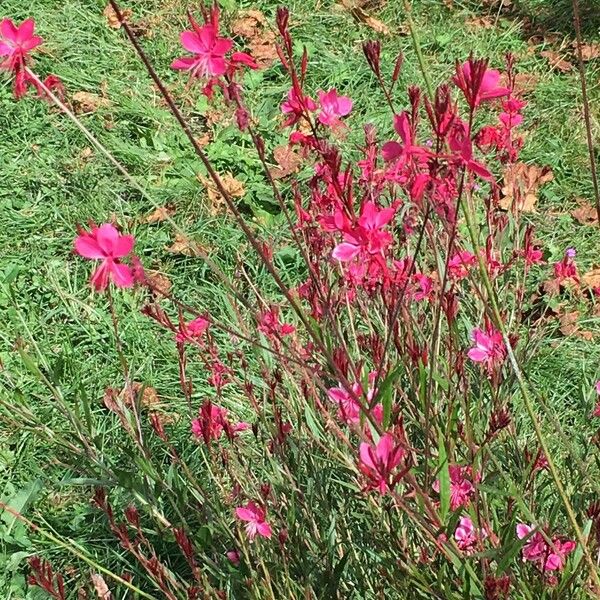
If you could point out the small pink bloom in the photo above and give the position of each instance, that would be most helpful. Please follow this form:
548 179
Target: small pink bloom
189 332
106 244
548 557
461 488
489 89
407 149
233 556
467 536
254 516
596 412
17 42
333 107
460 263
349 410
489 348
213 421
271 326
296 107
379 462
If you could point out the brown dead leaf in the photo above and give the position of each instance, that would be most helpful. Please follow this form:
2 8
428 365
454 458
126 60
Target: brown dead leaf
159 282
556 61
585 213
86 154
288 162
144 394
569 326
100 587
252 25
480 23
588 51
111 16
162 213
521 185
364 17
204 140
183 245
591 278
233 187
86 102
524 82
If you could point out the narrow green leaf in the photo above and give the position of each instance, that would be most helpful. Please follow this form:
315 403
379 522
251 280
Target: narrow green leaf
19 503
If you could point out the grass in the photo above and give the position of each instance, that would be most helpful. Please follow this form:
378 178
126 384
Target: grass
49 185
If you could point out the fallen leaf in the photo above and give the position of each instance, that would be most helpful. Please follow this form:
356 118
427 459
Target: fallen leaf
233 187
288 162
591 278
569 326
521 185
183 245
101 587
86 102
364 17
585 213
523 82
588 51
159 283
480 23
557 61
146 395
86 154
111 16
203 140
161 213
253 26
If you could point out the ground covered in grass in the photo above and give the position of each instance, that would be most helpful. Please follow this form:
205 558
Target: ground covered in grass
52 180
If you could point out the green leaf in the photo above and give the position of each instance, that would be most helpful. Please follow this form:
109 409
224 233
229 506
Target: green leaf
19 503
444 478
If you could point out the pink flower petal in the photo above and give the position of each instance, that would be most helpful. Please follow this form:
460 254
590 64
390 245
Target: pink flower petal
185 63
87 246
25 31
345 252
8 30
122 275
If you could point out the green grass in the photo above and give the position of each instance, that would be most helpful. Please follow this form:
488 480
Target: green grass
47 188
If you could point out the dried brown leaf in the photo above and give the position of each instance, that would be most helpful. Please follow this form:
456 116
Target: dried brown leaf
591 278
160 283
589 51
86 102
569 326
216 203
253 26
111 16
477 23
521 185
556 61
145 394
585 213
161 213
100 587
288 162
183 245
364 17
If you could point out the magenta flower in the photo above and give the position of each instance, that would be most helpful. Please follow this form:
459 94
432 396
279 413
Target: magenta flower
467 536
17 42
407 149
368 236
296 107
460 143
255 517
596 412
349 410
209 52
488 89
212 421
460 263
378 463
333 107
190 332
548 557
271 326
489 348
461 488
106 244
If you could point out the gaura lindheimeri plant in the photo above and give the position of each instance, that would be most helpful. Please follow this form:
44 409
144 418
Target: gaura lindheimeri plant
367 395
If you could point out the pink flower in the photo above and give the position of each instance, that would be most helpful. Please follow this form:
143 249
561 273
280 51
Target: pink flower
207 47
596 412
106 244
296 107
488 88
212 421
407 149
467 536
460 143
17 42
271 326
333 107
549 557
379 462
461 488
254 516
368 235
489 348
233 556
349 410
566 269
189 332
460 263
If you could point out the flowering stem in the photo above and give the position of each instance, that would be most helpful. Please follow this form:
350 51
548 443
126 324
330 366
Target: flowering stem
417 46
527 400
586 107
